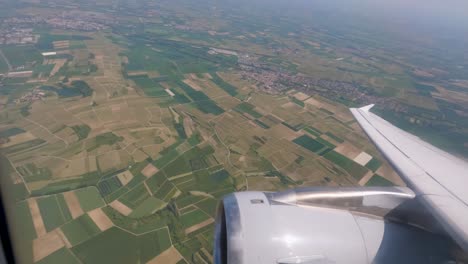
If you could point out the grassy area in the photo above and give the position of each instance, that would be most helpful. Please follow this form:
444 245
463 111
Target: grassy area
378 180
117 246
19 56
309 143
163 192
11 132
108 138
193 218
64 207
23 216
354 169
82 131
31 172
60 256
312 131
23 146
326 143
77 88
108 186
135 197
227 87
297 101
201 100
89 198
51 213
331 135
80 229
374 164
147 207
150 87
192 160
247 108
156 181
3 65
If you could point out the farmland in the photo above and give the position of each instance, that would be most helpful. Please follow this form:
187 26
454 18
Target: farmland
119 147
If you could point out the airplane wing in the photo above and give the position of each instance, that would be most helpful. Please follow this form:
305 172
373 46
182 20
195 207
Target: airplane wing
312 225
439 179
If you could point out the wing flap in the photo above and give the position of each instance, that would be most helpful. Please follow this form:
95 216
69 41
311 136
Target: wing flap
440 179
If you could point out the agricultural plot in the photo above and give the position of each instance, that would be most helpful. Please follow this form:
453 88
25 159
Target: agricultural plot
19 56
147 207
117 246
194 217
80 229
192 160
201 100
378 180
309 143
60 256
135 197
374 164
51 212
355 170
89 198
249 109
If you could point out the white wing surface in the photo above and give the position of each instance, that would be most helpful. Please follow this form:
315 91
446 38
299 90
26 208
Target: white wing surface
438 178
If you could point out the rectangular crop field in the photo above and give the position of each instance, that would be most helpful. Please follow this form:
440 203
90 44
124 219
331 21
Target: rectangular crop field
51 213
354 169
192 218
117 246
309 143
80 229
89 198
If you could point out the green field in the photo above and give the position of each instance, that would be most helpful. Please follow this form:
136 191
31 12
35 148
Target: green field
22 55
11 132
64 207
309 143
147 207
227 87
23 214
108 186
337 139
80 229
89 198
108 138
374 164
378 180
354 169
150 87
51 213
247 108
163 192
312 131
192 160
193 218
201 100
135 197
82 131
32 173
117 246
60 256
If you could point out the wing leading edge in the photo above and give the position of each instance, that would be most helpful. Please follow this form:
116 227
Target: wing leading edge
438 178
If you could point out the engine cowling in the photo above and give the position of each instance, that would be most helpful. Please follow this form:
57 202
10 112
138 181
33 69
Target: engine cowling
261 228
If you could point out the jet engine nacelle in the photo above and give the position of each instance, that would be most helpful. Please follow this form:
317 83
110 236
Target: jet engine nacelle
313 226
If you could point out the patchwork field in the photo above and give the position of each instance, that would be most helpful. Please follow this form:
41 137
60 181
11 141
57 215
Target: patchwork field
136 138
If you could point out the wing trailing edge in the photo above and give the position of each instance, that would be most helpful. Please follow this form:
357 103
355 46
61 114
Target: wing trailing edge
438 178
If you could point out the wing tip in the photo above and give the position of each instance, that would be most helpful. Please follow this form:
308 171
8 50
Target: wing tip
365 109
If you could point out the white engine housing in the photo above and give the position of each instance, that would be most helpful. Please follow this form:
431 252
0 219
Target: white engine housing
267 228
